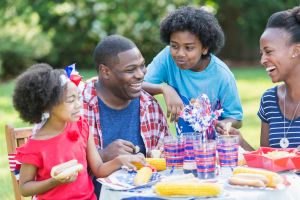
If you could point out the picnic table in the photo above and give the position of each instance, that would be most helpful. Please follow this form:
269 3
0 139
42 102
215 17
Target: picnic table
291 192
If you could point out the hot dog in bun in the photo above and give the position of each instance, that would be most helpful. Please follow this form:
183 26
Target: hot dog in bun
66 169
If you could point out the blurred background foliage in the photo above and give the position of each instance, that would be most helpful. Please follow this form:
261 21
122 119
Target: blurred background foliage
64 32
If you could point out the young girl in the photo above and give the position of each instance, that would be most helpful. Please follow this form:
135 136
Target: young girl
189 67
46 96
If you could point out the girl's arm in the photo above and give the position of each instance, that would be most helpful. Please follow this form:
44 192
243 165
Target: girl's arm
264 134
30 187
101 169
172 99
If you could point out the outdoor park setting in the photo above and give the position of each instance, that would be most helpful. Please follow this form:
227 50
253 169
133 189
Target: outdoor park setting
64 32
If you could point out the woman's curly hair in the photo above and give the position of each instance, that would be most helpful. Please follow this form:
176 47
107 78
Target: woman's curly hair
288 20
197 21
37 90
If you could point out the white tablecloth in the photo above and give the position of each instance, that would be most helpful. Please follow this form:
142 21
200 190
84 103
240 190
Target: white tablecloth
291 192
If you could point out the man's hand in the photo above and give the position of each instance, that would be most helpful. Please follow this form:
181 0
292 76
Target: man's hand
116 148
173 101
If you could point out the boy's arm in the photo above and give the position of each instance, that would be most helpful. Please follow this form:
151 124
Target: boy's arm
152 88
172 99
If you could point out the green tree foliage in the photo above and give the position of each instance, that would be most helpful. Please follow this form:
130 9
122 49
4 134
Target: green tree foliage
65 32
77 26
21 38
243 22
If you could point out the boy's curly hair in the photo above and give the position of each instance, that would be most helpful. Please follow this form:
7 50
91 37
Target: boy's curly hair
197 21
37 90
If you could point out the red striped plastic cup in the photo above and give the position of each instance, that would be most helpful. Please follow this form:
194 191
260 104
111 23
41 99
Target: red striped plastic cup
227 147
174 151
205 155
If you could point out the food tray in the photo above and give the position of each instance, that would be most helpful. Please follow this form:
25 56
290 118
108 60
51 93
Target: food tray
286 159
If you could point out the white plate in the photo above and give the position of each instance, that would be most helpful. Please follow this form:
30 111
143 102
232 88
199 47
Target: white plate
123 180
279 187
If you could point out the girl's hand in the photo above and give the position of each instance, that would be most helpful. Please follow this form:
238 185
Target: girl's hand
173 101
127 160
68 179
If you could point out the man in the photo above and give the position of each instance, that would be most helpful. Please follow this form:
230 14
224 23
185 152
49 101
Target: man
120 114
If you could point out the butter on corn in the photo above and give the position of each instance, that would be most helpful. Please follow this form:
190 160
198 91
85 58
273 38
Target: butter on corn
143 176
158 163
187 189
274 178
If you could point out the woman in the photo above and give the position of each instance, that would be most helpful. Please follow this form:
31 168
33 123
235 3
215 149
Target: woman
280 55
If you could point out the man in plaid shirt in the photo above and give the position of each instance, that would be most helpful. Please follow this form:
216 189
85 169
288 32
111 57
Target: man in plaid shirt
120 114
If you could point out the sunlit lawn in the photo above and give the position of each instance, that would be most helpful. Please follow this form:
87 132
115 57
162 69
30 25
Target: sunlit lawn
251 84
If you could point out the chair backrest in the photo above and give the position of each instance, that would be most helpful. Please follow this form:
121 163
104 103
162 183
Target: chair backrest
16 137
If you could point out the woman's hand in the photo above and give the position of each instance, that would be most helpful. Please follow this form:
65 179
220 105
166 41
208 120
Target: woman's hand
224 126
242 142
173 102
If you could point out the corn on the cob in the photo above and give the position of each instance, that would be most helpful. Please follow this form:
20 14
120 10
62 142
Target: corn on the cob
274 178
187 189
143 176
158 163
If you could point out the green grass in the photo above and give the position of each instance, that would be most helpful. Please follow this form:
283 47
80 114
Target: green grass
251 82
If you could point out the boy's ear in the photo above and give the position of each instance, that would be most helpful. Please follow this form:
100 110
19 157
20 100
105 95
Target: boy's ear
296 51
104 71
205 51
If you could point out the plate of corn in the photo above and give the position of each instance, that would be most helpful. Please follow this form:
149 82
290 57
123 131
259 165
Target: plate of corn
186 185
129 180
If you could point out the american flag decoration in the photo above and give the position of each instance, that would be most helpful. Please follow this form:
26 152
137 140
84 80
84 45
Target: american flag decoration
200 114
14 165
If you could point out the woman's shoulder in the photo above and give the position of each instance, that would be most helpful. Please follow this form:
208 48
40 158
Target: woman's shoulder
270 92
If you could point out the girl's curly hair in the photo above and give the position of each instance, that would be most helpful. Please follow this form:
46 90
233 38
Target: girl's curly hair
37 90
197 21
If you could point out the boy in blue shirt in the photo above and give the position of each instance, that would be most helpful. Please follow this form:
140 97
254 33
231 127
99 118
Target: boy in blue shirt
189 67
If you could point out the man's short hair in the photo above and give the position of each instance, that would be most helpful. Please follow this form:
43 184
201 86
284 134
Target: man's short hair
109 47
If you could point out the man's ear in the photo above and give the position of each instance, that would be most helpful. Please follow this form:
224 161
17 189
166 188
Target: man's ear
104 71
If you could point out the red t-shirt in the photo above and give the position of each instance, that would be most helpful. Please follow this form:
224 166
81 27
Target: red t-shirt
44 154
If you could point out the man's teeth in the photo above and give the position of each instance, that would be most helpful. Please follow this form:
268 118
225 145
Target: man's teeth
270 68
136 85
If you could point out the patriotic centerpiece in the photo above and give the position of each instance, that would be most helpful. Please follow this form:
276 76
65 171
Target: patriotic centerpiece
200 114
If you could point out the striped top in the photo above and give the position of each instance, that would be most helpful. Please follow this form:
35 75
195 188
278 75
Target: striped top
270 113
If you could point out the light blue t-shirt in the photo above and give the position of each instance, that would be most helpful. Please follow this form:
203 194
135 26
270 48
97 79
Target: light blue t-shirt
216 80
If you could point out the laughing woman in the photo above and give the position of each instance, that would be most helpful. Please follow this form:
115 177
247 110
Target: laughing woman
280 55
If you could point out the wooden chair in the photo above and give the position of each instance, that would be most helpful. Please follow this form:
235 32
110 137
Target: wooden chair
16 137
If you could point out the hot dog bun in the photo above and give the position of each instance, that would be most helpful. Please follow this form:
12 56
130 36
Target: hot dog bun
274 178
261 177
234 180
69 171
61 167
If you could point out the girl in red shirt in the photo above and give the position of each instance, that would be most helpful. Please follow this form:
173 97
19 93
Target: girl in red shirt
46 96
